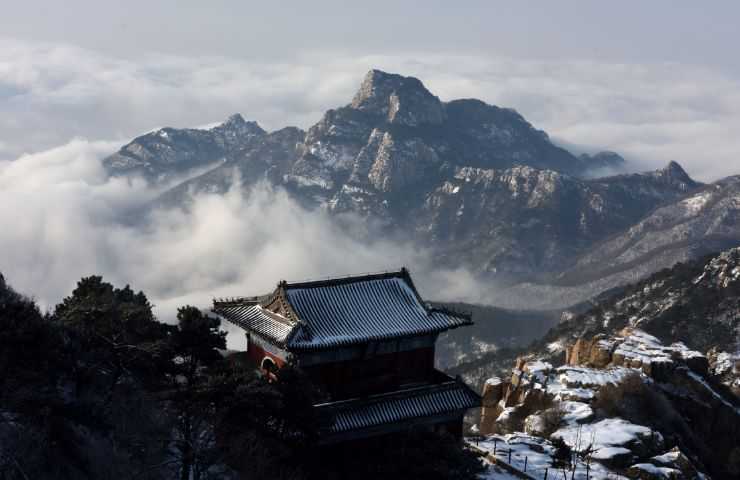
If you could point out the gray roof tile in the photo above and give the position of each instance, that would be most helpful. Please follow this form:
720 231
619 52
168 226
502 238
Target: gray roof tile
414 403
345 311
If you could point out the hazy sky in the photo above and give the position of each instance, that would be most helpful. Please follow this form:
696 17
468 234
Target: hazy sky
627 31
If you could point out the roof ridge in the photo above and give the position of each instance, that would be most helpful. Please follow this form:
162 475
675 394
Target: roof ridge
452 312
234 301
341 280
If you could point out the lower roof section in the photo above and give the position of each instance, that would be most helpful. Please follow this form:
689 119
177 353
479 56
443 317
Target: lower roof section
395 411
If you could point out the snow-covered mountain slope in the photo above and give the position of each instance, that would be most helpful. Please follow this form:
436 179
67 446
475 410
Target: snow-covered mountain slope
696 302
522 220
165 153
705 221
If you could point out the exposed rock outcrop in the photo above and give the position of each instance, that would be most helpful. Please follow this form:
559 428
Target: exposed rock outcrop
622 400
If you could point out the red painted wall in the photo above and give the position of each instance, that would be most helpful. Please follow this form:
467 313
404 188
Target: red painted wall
257 354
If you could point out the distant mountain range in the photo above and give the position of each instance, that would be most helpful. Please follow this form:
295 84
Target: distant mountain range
475 183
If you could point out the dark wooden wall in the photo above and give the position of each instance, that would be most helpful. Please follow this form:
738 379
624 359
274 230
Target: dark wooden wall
374 374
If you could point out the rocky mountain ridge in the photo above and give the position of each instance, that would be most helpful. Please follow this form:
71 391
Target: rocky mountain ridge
475 183
707 220
166 152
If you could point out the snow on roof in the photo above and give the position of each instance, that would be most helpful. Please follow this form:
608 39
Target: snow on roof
348 311
256 319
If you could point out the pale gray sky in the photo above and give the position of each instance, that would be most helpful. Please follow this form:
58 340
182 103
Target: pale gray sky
703 33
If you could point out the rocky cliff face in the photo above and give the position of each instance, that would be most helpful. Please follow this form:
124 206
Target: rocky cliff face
660 360
537 220
623 403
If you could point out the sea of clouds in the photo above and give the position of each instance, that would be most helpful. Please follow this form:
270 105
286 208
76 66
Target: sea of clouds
63 108
63 218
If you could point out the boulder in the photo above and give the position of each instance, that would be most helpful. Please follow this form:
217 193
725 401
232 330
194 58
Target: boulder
493 392
535 425
648 471
674 458
601 353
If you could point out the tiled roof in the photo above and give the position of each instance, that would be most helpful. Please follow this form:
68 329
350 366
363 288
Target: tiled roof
344 311
255 319
416 403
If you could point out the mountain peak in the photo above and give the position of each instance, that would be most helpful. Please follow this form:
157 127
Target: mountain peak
402 100
235 119
238 126
675 173
675 168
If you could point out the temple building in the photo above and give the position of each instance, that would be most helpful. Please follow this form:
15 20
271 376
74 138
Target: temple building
368 341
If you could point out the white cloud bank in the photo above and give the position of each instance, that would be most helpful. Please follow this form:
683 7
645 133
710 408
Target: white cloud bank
62 217
651 113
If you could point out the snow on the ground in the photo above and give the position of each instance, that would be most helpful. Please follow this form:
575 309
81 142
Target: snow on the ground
562 393
727 362
555 347
667 458
536 450
505 414
571 376
657 472
695 204
539 370
539 454
685 351
493 381
494 472
642 347
639 349
610 432
606 453
576 412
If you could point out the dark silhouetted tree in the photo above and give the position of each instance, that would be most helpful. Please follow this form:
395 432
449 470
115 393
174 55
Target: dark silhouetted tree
194 346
